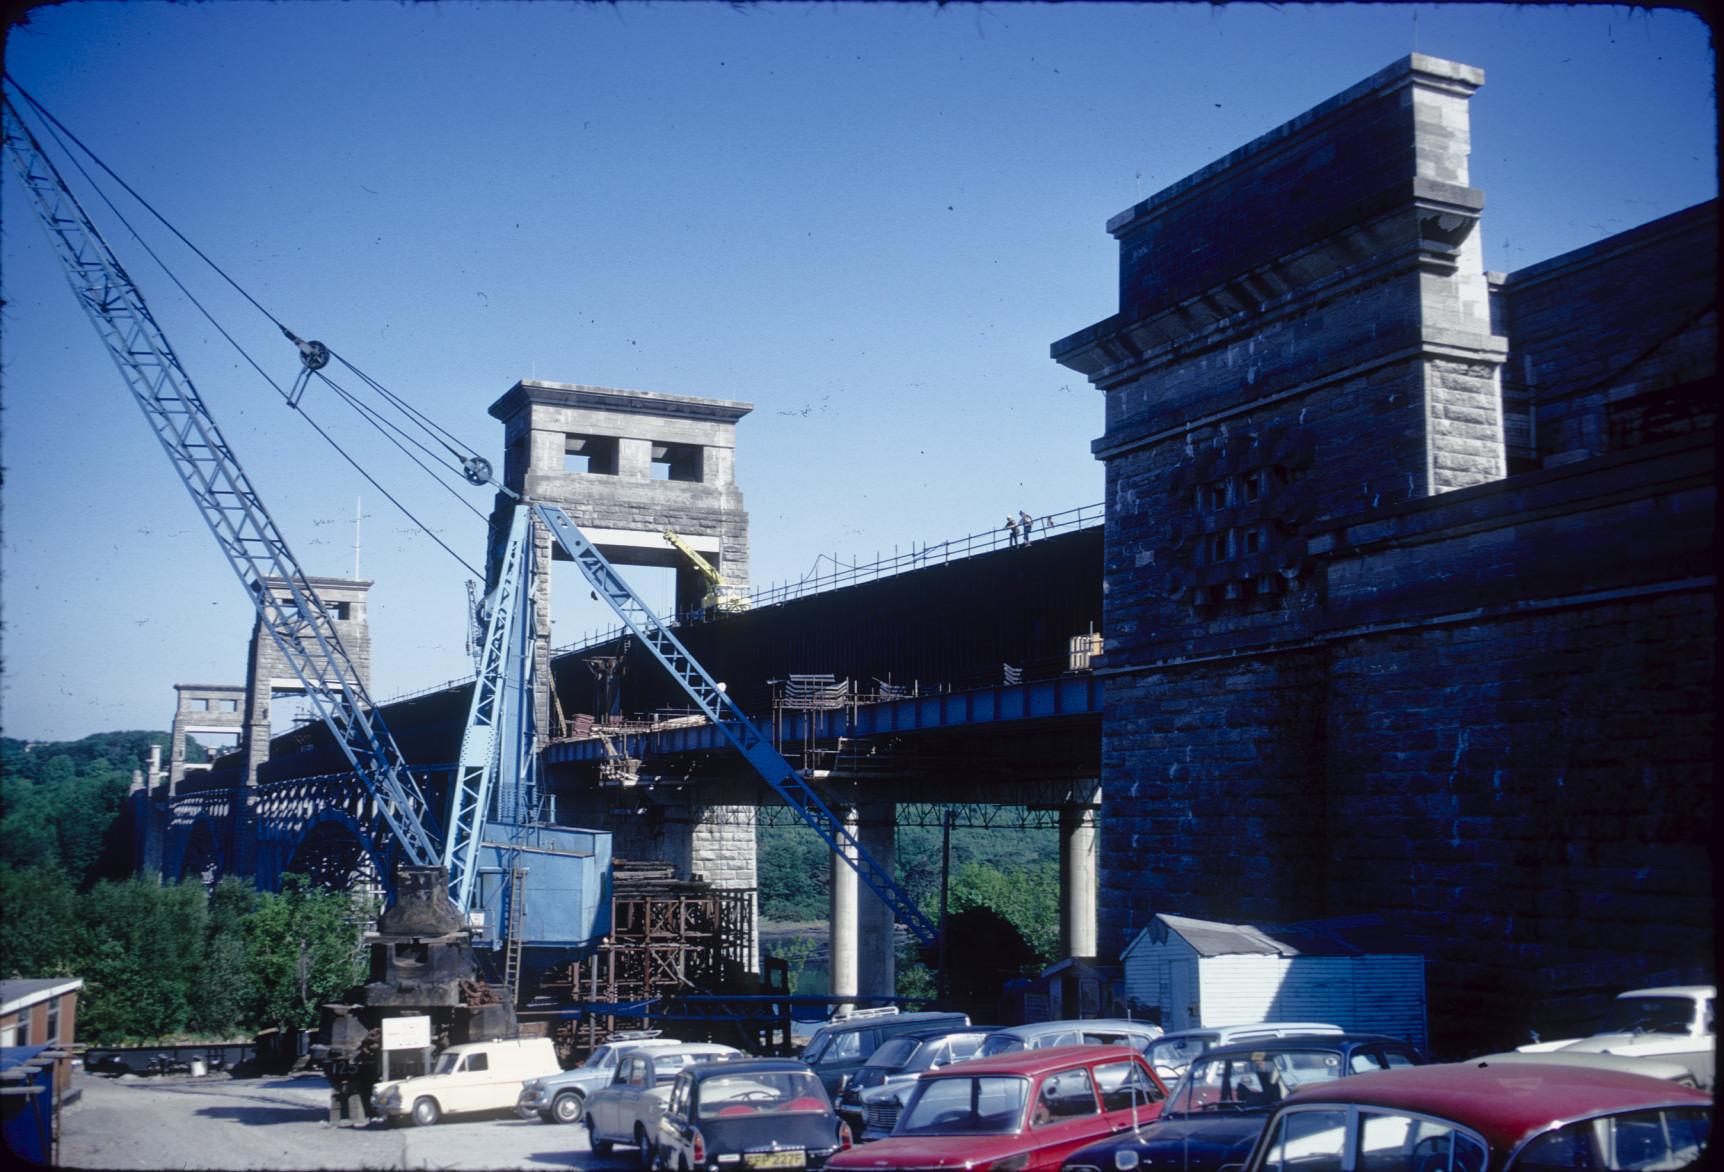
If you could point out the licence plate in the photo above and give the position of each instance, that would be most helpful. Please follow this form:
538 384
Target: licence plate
796 1159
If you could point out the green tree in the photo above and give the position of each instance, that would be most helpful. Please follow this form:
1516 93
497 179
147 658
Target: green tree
140 947
305 950
38 933
1028 899
223 993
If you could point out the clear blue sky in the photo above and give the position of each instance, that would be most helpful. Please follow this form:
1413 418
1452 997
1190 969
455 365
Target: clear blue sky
867 220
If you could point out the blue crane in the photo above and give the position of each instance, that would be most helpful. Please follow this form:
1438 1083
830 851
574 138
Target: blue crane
497 763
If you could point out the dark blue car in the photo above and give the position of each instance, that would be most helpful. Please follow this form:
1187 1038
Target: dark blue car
1216 1112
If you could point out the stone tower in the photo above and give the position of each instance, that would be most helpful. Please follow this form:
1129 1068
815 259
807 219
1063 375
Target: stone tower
625 466
269 675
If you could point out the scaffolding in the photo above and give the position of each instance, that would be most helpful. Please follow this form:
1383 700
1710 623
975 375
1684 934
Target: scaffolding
670 938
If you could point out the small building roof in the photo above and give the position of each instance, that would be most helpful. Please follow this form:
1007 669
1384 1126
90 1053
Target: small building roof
1344 936
15 995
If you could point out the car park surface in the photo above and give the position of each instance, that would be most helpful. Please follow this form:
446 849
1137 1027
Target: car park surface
1466 1118
754 1114
1024 1111
1218 1109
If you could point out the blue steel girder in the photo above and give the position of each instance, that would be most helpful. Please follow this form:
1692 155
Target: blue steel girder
1076 695
299 624
730 720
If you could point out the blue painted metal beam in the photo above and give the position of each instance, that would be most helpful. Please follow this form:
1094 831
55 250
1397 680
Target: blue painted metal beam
1066 697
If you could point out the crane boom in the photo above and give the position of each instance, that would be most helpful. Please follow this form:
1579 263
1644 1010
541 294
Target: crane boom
286 604
729 719
716 595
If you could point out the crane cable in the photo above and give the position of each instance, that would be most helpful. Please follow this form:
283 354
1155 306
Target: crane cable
467 461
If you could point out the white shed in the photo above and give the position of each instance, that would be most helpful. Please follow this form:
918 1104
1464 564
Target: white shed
1350 972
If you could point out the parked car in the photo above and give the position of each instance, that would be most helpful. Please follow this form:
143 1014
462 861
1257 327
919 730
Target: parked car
1673 1022
873 1095
562 1097
1103 1031
1216 1112
1024 1111
1468 1118
1674 1072
840 1047
753 1114
478 1076
627 1111
1171 1053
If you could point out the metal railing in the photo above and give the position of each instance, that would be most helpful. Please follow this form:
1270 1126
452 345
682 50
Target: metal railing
857 572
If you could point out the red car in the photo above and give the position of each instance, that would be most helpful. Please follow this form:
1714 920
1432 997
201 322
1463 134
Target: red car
1017 1112
1486 1117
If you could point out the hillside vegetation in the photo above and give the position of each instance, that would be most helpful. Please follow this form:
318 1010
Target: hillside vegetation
158 961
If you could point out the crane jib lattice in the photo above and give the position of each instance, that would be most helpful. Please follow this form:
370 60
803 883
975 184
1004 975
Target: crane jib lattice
730 720
286 604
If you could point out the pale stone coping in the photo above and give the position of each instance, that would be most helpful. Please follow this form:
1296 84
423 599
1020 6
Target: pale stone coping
530 391
1450 75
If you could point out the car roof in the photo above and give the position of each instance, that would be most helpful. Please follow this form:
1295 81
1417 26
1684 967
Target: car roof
1302 1042
1506 1104
1111 1024
1289 1028
1033 1062
751 1066
943 1032
1672 991
1633 1063
927 1017
701 1048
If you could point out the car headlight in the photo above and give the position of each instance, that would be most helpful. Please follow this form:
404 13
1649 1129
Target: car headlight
390 1097
1125 1159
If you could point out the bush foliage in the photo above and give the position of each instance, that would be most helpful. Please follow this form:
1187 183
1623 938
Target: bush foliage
158 961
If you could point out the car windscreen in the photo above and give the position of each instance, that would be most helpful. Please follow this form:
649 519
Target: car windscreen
760 1092
1001 1043
1175 1053
1254 1081
982 1105
1649 1015
1658 1138
815 1048
446 1064
894 1053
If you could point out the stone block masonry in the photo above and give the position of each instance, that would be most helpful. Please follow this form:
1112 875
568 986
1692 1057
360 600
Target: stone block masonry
1354 667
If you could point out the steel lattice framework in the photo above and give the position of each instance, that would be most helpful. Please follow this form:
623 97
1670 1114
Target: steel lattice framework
730 720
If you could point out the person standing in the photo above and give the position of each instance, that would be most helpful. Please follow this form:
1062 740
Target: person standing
1011 527
1027 523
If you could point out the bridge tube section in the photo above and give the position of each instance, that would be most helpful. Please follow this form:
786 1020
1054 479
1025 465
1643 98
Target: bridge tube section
877 954
1078 881
843 907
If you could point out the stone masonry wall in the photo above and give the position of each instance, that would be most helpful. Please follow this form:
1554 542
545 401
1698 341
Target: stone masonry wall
1352 669
1605 335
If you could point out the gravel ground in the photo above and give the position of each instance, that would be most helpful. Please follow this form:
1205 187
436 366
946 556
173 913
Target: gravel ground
282 1123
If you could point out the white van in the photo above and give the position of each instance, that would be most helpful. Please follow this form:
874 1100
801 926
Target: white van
479 1076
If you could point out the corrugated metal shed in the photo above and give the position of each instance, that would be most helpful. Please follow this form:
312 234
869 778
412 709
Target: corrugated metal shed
1353 972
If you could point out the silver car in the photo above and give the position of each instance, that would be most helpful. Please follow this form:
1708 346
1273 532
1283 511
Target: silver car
1097 1031
562 1098
626 1111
